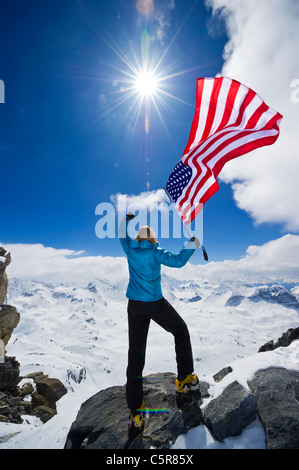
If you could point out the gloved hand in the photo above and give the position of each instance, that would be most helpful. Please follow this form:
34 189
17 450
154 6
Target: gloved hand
196 241
130 216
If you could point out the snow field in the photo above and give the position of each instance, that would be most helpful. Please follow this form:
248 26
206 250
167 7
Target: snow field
77 332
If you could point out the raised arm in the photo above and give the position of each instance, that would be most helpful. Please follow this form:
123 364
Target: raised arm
177 260
123 235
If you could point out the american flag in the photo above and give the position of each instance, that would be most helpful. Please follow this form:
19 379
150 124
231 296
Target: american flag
230 120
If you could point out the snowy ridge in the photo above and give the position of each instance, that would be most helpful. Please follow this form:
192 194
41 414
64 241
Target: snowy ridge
77 331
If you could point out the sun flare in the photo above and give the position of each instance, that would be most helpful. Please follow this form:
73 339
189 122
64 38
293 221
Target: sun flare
146 83
141 81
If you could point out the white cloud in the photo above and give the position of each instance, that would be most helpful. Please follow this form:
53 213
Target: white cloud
277 259
262 53
144 200
151 208
32 261
161 15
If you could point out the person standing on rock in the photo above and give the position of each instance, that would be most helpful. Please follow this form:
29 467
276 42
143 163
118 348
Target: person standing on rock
146 303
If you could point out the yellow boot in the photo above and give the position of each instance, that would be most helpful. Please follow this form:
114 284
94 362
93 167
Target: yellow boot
191 382
137 416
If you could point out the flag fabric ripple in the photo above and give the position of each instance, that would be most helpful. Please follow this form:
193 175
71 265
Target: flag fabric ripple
230 120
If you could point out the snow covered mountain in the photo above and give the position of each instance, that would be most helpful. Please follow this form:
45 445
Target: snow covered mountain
76 331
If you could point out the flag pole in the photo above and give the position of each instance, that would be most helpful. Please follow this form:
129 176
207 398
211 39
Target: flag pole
205 254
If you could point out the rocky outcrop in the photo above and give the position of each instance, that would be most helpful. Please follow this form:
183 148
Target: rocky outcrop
9 319
285 340
5 260
9 373
50 389
277 392
3 285
103 420
39 394
222 373
231 412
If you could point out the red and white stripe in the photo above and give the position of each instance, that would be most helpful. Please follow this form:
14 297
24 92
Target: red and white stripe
230 120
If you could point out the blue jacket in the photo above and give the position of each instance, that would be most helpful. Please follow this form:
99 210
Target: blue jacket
144 260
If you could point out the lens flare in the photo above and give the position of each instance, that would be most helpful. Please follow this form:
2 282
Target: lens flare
146 83
145 7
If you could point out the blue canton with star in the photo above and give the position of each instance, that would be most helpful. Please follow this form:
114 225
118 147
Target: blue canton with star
178 180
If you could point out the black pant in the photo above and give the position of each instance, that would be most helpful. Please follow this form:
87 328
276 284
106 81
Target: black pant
139 316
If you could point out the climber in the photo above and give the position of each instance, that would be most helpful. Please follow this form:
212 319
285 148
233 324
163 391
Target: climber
146 303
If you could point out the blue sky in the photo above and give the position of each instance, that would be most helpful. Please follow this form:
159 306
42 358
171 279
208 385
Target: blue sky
65 143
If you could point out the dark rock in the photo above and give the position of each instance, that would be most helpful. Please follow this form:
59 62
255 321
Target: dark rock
3 286
277 392
103 420
4 410
7 256
222 373
77 375
15 416
9 319
285 340
12 405
269 346
196 298
51 389
3 276
44 413
231 412
234 300
9 410
38 400
25 406
35 375
13 401
26 389
2 352
9 373
92 288
203 388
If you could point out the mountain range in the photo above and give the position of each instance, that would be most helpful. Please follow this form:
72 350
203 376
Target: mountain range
77 331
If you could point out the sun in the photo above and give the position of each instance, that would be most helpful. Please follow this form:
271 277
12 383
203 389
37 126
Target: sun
146 83
141 81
